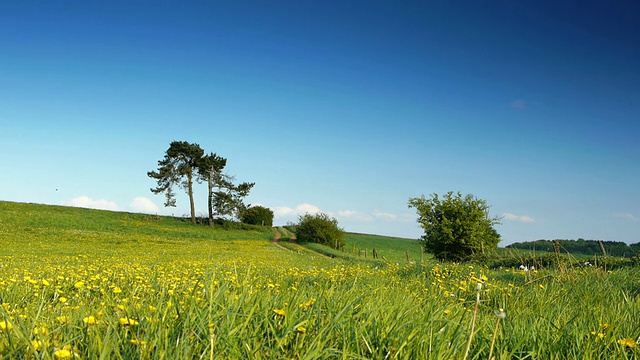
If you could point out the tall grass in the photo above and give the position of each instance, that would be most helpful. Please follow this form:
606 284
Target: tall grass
162 296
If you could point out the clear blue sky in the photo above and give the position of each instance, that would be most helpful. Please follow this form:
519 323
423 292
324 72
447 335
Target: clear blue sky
349 107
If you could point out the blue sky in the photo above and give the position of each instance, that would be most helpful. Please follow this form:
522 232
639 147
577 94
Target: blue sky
350 108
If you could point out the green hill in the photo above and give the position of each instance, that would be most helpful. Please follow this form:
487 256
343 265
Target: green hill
51 230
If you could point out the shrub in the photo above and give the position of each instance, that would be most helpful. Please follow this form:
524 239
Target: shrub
456 228
321 229
258 215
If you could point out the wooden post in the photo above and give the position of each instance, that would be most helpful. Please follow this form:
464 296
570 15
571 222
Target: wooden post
604 252
407 252
365 253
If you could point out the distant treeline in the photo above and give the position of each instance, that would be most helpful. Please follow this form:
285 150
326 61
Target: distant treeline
580 246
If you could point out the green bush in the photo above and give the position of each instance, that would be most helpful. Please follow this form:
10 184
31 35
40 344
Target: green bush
321 229
456 228
258 215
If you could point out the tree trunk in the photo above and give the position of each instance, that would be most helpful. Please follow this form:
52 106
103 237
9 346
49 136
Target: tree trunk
211 196
193 205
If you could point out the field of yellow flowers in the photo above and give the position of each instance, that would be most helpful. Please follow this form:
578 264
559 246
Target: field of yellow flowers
84 284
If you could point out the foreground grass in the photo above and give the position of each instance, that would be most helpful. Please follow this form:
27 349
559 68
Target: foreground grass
155 296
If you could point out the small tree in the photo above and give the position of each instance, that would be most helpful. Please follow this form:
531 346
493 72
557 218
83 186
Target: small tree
455 227
258 215
177 167
321 229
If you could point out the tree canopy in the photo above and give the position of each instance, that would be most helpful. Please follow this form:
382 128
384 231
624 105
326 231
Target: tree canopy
225 198
177 167
210 170
456 227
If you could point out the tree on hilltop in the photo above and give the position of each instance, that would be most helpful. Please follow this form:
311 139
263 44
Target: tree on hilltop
210 170
177 167
456 227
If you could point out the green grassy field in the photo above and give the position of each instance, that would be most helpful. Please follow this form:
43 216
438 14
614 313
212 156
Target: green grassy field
87 284
393 249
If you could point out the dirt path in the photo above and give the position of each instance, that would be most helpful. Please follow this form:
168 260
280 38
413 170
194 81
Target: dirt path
292 240
276 238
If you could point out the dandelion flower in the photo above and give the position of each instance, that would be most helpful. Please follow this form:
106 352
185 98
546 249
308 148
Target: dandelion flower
62 319
89 320
62 354
37 345
138 342
5 326
630 343
125 321
280 312
447 312
301 329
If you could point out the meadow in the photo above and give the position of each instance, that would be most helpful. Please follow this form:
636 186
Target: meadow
88 284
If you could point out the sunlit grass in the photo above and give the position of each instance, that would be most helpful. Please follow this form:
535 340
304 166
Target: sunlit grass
137 290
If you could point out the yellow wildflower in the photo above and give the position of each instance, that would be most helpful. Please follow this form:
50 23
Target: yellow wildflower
5 326
128 321
630 343
79 285
41 331
280 312
37 345
62 354
301 329
90 320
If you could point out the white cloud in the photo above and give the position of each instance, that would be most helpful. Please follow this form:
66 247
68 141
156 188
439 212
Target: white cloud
143 205
87 202
521 218
284 211
307 208
627 216
349 214
385 216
